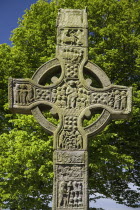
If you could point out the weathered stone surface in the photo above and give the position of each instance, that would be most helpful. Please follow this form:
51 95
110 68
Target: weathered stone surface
73 98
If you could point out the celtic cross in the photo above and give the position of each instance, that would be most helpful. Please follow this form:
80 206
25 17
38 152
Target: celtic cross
72 97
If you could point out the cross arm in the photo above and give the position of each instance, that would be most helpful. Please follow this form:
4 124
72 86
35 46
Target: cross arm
115 102
116 99
25 94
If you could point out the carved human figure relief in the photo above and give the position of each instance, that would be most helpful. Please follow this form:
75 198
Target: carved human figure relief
23 94
16 93
70 194
117 99
123 100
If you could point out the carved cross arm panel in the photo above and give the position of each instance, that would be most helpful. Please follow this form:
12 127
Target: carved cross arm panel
116 99
25 94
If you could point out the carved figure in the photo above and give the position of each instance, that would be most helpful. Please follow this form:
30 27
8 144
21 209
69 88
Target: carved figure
71 93
69 188
75 186
17 94
75 201
79 140
79 36
62 140
117 99
80 203
111 99
62 191
30 94
71 201
70 194
63 101
23 94
123 100
54 94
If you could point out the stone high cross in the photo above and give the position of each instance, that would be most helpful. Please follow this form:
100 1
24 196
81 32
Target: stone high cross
73 98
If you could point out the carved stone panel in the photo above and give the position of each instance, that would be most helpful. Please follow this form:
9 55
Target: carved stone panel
70 157
71 186
70 172
114 98
70 195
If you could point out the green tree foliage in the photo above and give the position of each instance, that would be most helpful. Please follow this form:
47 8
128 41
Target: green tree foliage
26 170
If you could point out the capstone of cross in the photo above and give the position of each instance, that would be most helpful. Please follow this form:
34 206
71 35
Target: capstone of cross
72 97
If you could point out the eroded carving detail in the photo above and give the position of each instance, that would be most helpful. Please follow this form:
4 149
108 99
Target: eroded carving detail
71 37
123 104
66 172
71 70
72 55
72 95
70 157
54 95
42 94
70 139
115 98
23 94
70 194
